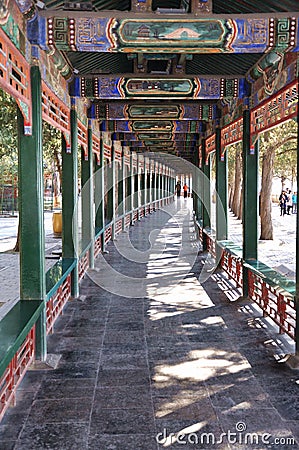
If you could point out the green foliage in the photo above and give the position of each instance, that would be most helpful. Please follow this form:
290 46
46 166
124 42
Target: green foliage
9 142
51 149
8 138
282 140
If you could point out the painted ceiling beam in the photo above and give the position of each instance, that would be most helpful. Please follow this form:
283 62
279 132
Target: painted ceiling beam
136 33
179 138
149 126
166 88
122 111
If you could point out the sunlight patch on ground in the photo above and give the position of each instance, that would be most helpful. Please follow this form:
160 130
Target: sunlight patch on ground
203 364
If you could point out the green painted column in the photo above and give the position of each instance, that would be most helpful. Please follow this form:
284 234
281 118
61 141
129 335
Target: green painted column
31 211
221 189
159 182
297 250
99 196
154 183
144 184
250 198
70 199
131 186
111 183
149 183
138 186
195 184
121 191
87 198
206 192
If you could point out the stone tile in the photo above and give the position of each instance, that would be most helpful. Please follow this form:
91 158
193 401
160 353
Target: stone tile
12 424
73 371
66 388
79 356
121 421
129 347
7 445
184 408
58 343
123 397
118 377
161 340
122 337
123 361
253 420
122 442
125 326
248 394
97 332
67 410
54 436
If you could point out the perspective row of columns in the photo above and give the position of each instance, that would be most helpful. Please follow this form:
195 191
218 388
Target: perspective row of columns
133 190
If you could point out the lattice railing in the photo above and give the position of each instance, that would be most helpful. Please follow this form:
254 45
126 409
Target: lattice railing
57 302
274 301
15 371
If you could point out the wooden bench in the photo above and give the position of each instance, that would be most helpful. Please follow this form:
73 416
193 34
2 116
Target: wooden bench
17 348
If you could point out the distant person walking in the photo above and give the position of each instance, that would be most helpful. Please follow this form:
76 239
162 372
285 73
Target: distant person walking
294 203
283 203
289 202
185 189
178 189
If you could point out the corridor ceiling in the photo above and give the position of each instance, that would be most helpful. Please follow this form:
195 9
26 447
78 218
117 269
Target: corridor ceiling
158 72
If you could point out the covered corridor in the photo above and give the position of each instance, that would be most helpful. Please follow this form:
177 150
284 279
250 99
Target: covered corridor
154 359
152 321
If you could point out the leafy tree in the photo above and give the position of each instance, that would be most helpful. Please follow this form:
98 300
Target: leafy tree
8 138
278 157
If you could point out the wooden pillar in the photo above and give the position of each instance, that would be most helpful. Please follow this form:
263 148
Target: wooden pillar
87 198
206 193
70 199
250 198
297 249
111 187
31 211
99 196
221 189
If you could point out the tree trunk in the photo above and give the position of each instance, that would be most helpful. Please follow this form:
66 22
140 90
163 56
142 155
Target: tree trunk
240 212
238 183
230 195
266 193
17 245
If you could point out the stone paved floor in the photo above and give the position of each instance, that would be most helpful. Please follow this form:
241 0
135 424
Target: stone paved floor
153 353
